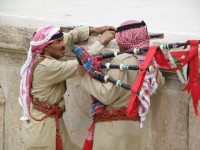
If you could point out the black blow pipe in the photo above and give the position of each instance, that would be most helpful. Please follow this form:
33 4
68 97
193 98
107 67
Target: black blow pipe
144 50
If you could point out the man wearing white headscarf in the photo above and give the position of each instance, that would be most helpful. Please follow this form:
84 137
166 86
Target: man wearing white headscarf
43 85
112 128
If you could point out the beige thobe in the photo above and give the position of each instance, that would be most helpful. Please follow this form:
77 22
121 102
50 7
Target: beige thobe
48 85
115 135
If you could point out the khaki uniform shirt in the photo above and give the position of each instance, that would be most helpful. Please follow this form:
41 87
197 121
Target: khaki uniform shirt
115 135
48 85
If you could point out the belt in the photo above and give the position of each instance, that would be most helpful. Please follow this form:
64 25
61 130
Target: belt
114 115
50 110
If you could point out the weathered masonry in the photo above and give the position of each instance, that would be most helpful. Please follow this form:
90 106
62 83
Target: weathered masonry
171 124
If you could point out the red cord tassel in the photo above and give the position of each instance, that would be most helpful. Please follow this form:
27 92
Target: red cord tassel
58 141
59 145
87 145
89 139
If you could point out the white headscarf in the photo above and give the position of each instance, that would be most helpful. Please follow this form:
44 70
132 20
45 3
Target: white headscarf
40 40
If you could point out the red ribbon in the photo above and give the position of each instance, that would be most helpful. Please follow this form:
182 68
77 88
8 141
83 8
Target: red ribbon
193 86
132 110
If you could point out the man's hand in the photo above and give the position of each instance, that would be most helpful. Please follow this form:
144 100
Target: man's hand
81 70
100 30
106 37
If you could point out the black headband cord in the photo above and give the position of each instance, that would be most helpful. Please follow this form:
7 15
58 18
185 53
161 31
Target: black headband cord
130 26
57 36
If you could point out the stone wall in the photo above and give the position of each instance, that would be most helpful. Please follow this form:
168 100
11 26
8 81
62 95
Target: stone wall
2 119
171 124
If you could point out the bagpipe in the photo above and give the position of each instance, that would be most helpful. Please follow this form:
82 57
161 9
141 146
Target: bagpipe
93 66
174 60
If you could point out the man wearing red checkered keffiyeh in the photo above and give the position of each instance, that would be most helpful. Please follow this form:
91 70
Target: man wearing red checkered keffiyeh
43 85
139 38
114 128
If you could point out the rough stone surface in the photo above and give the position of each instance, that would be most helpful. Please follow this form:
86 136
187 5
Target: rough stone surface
2 119
170 125
170 116
194 130
9 69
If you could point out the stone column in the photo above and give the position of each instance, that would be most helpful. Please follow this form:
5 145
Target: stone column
13 45
194 128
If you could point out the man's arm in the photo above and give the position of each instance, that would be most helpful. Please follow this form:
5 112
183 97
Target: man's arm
82 33
106 37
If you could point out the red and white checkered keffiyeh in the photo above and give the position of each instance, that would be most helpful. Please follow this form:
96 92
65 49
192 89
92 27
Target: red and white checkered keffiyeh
40 40
134 37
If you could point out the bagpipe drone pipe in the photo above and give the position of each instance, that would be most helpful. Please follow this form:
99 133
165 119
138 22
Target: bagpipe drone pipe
174 60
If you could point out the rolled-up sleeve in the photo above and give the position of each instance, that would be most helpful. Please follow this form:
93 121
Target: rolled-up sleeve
95 48
76 35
